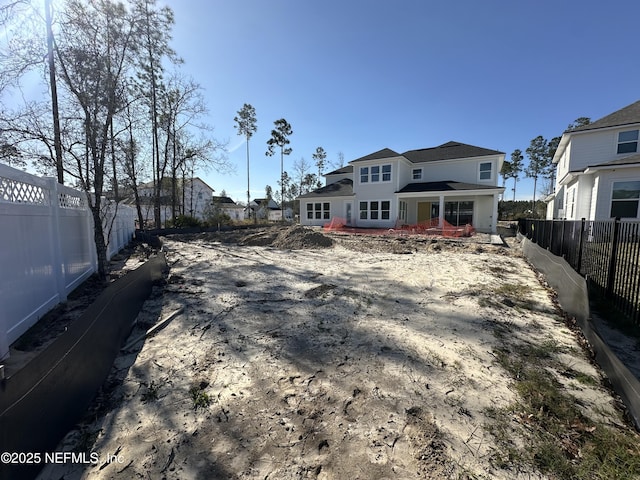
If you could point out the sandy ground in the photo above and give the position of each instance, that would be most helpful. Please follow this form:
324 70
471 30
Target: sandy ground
341 360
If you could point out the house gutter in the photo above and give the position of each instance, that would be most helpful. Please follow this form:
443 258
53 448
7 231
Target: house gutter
451 193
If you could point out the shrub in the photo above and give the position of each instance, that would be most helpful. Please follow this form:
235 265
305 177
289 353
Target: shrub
183 221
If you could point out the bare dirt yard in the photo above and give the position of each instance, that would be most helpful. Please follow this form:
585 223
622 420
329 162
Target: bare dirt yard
289 354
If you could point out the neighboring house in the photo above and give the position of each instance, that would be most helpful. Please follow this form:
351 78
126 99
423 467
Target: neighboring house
453 182
268 209
192 200
598 169
228 207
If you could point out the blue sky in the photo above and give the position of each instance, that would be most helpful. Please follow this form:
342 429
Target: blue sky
355 76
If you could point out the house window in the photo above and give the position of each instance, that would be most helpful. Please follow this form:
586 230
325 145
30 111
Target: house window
385 209
386 173
485 170
571 201
364 210
318 211
372 174
624 199
375 174
458 213
416 174
628 141
375 210
402 210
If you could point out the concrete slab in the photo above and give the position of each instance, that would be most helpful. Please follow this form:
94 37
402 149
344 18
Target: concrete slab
496 240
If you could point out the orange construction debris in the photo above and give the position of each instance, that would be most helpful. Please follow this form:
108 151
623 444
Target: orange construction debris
429 227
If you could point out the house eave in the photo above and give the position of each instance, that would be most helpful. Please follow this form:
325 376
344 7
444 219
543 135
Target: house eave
452 193
597 168
308 196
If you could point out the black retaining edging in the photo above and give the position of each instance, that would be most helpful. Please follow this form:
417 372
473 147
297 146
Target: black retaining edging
573 297
42 401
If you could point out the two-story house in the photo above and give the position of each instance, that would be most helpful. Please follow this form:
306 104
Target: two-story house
193 197
453 182
225 205
268 209
598 169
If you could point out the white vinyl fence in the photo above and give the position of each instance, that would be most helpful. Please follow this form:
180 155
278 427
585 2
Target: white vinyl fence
47 246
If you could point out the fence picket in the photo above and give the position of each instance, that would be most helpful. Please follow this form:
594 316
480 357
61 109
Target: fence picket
47 247
607 253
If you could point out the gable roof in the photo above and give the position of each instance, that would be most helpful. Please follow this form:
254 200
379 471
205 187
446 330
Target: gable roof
340 171
226 200
444 186
448 151
271 204
384 153
341 188
624 116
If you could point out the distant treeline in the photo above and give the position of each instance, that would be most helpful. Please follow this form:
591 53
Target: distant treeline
513 210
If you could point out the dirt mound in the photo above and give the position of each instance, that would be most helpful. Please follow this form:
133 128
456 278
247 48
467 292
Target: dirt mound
297 238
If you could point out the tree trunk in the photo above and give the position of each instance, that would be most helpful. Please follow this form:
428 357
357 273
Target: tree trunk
535 183
112 140
101 246
134 175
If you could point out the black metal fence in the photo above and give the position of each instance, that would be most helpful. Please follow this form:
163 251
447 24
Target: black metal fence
607 253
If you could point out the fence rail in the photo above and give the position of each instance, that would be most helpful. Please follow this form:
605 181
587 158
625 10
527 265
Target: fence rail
607 253
47 246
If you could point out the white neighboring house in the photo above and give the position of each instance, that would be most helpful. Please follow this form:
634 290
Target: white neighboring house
598 169
227 206
192 200
269 210
454 181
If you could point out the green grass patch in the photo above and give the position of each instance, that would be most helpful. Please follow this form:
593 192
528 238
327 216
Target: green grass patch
151 392
563 443
200 398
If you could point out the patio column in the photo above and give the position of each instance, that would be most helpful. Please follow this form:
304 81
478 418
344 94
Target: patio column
441 212
494 215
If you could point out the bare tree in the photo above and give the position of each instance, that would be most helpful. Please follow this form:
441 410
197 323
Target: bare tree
301 168
154 33
93 56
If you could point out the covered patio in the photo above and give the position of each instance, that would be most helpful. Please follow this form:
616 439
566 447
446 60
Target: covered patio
455 203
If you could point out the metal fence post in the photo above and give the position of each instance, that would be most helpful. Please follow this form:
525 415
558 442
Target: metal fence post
581 246
612 257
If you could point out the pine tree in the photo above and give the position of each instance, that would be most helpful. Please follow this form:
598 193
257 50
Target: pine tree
280 138
246 125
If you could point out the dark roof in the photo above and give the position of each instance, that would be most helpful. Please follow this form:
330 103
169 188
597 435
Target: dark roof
215 199
384 153
624 116
630 160
448 151
341 188
340 171
443 186
272 205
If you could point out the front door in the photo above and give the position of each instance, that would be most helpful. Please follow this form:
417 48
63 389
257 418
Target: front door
424 212
347 212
